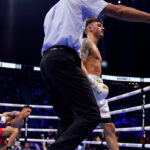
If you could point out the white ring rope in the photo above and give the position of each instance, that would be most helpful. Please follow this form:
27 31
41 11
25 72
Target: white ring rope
125 79
136 145
105 77
39 130
44 117
22 105
147 128
128 94
129 109
112 112
109 99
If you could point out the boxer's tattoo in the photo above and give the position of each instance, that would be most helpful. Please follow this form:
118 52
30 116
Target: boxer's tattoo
12 114
85 48
15 113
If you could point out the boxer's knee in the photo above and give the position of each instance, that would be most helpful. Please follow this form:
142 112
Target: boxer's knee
15 131
109 129
11 130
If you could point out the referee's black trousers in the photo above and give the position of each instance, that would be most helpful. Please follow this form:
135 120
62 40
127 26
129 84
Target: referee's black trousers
71 95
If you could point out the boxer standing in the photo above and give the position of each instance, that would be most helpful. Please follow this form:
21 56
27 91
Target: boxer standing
91 66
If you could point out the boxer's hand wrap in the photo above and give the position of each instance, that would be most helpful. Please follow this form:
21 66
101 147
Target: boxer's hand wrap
101 90
2 122
3 119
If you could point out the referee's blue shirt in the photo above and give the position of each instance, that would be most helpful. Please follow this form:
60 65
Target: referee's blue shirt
64 23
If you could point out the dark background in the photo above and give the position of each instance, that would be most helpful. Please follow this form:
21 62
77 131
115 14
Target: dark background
126 46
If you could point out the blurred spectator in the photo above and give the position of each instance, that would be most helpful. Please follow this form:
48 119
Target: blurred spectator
27 146
50 136
99 137
147 139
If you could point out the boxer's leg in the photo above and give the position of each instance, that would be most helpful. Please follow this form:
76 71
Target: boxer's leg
12 133
108 126
110 136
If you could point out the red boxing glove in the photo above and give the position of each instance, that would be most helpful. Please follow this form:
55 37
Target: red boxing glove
1 131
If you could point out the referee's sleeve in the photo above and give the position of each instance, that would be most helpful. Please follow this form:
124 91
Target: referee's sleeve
92 8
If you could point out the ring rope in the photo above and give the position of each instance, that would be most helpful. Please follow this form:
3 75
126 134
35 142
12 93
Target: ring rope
128 94
135 145
9 65
147 128
39 130
131 109
109 99
42 117
112 112
125 79
22 105
90 142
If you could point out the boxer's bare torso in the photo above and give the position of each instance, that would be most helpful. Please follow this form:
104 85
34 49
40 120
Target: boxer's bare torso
14 119
93 59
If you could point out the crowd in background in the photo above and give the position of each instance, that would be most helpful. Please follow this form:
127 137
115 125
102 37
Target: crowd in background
27 88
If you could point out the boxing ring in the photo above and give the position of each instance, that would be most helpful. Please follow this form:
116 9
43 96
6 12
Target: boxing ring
142 107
